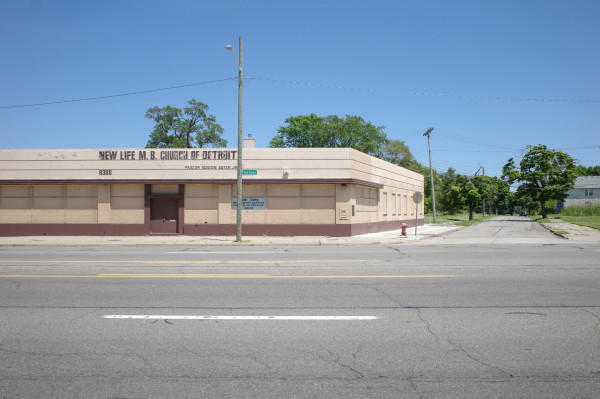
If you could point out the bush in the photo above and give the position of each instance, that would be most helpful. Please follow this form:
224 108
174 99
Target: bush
585 210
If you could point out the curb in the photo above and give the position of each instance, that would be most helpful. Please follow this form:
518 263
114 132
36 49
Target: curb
384 238
551 230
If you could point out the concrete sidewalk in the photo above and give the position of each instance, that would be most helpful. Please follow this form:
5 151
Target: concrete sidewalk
386 237
572 231
560 228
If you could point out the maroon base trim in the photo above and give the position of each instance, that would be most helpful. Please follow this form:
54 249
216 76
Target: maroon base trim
331 230
277 230
287 230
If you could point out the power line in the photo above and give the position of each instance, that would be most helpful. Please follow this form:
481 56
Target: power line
329 86
470 140
579 148
414 93
115 95
502 151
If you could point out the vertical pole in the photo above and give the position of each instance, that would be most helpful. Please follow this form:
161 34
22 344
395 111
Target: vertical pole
238 214
417 216
428 133
483 197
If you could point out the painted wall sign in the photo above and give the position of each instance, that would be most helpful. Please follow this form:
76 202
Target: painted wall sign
166 155
255 204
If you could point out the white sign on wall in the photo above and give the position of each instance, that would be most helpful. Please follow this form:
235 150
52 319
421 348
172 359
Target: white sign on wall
255 204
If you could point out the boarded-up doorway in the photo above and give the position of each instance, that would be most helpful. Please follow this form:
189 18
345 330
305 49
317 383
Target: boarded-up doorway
163 215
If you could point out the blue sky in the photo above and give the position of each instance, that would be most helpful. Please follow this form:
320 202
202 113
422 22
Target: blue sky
465 68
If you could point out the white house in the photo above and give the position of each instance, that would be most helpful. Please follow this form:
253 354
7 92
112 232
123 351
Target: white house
586 191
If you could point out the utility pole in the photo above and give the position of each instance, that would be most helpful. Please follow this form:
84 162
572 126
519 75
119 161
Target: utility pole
240 167
482 183
428 133
483 196
238 214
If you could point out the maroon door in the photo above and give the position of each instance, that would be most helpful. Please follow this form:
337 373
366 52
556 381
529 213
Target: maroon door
163 216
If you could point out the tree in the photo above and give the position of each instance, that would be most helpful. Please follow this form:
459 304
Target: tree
463 192
587 170
545 174
472 195
525 201
501 199
398 153
187 128
315 131
455 198
507 200
446 202
494 191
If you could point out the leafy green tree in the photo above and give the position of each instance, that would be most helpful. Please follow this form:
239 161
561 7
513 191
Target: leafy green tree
492 190
444 201
525 202
184 128
587 170
504 198
472 196
398 153
507 201
313 131
424 170
485 190
456 199
464 193
545 174
302 131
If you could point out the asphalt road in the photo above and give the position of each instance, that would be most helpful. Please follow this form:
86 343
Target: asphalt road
445 318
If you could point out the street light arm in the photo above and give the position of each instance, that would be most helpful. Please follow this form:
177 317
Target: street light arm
228 47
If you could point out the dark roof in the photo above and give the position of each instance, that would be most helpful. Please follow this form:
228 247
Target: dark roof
587 182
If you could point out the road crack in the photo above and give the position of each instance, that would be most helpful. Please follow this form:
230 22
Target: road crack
467 354
594 315
386 295
456 346
251 356
413 385
335 358
427 324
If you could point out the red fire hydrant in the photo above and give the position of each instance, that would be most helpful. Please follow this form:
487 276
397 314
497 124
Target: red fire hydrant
404 226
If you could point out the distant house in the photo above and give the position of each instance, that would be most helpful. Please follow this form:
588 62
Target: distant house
586 191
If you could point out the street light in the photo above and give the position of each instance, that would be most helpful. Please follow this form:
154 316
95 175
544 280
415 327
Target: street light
238 214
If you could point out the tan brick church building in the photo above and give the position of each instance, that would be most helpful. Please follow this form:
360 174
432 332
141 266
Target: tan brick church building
286 191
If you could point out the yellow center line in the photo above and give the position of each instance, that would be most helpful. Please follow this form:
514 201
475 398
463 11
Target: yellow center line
221 276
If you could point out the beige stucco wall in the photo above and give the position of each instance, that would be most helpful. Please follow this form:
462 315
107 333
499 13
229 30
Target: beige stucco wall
127 203
285 203
270 163
16 204
60 204
290 203
202 203
48 204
